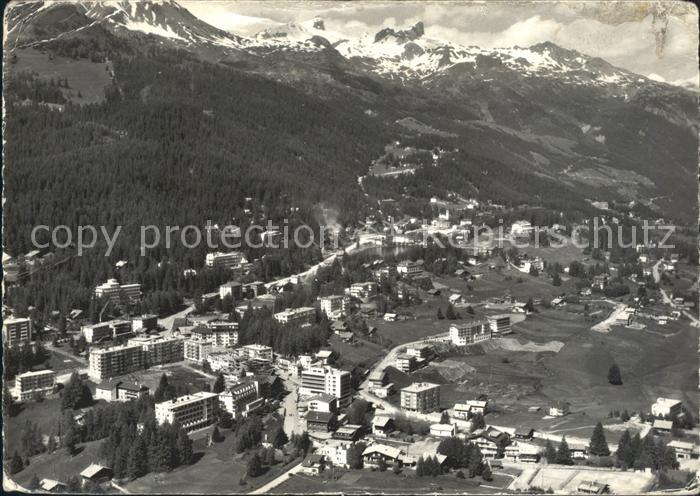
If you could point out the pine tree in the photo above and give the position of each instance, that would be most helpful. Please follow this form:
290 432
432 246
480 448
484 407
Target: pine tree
450 313
445 418
440 316
254 467
219 384
598 445
420 467
16 463
564 454
70 439
625 450
614 376
486 473
477 422
34 483
137 465
556 280
184 447
475 462
550 453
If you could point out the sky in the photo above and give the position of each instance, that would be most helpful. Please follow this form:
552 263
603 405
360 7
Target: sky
656 39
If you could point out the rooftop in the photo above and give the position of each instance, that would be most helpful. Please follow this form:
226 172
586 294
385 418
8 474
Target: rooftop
418 387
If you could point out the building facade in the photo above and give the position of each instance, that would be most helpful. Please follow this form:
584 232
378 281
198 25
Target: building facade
196 350
30 384
423 397
159 350
335 306
115 361
500 325
192 412
302 316
470 332
328 380
114 292
16 331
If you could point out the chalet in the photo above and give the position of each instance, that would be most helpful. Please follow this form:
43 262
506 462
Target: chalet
377 379
683 449
470 407
559 409
490 440
348 432
523 432
96 473
52 486
320 421
313 464
384 391
390 455
382 426
443 430
592 487
578 452
662 426
522 452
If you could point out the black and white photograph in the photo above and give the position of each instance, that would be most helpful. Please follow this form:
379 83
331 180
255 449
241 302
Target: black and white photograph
350 247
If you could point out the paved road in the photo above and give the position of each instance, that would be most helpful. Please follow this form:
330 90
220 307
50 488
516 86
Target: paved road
667 299
277 481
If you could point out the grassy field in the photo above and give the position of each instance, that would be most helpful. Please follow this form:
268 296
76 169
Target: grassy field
178 375
217 471
88 78
362 352
58 465
44 415
371 482
63 363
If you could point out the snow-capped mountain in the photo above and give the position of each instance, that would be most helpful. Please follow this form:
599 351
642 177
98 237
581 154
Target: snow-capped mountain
402 55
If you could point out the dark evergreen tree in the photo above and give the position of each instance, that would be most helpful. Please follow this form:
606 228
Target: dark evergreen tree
598 445
563 453
614 376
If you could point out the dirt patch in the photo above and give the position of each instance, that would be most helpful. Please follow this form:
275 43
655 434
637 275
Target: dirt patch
513 344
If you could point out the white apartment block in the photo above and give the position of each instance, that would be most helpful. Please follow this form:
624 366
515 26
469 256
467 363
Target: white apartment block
241 399
219 333
255 352
302 316
666 407
364 290
114 361
103 331
470 332
29 384
500 325
335 306
16 331
159 350
233 289
222 361
113 291
328 380
227 260
192 412
147 321
197 351
408 268
422 397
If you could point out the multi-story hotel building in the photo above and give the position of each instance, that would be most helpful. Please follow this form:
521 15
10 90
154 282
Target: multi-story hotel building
115 361
364 290
16 331
113 291
470 332
255 352
233 289
147 321
196 350
226 260
335 306
103 331
29 384
219 333
192 412
328 380
500 325
159 350
302 316
423 397
409 268
241 399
